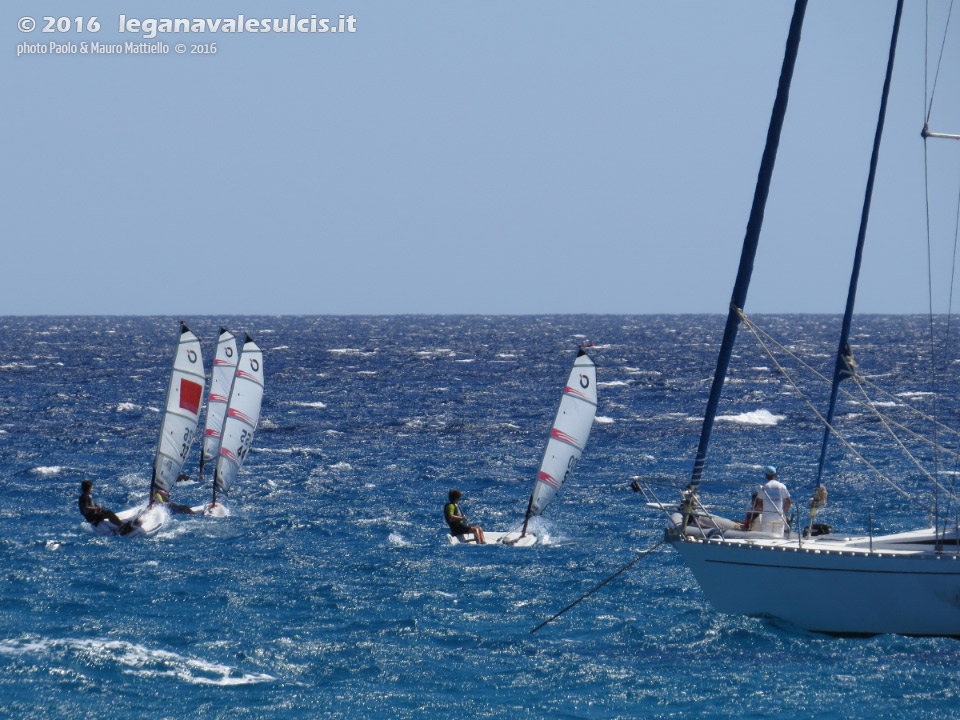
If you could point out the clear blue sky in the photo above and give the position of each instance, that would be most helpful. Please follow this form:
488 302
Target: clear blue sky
461 156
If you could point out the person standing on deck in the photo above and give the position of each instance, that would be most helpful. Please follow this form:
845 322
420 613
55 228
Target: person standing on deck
775 501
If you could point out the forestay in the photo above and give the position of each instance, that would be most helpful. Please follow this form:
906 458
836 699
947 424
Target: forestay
243 413
570 432
224 368
182 413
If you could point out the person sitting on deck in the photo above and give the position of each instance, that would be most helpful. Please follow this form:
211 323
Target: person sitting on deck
95 514
775 502
756 506
458 521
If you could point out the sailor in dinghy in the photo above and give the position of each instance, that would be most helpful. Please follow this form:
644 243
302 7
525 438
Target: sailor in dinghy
97 515
459 527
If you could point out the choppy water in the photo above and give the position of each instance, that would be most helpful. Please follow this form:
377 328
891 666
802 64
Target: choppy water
331 590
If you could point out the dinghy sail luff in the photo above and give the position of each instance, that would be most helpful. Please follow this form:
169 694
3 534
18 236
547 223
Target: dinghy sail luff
568 436
243 413
181 414
224 368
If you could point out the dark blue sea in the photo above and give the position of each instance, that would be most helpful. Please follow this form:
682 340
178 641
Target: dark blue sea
331 590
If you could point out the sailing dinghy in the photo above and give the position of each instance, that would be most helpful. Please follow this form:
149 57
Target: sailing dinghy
239 424
180 419
568 437
905 583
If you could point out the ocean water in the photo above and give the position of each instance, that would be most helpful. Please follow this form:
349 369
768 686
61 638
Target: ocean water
331 590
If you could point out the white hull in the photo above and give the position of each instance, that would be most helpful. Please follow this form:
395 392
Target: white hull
211 511
495 538
151 519
832 585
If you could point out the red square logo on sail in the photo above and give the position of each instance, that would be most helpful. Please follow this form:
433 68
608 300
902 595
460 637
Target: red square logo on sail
190 394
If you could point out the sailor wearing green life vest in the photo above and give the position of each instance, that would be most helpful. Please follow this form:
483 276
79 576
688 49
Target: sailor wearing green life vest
458 521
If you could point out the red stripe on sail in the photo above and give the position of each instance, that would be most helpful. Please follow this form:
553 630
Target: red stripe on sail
573 391
229 455
249 376
190 394
217 361
548 479
563 437
212 433
239 416
218 398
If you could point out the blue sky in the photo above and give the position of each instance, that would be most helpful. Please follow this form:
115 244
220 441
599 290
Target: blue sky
468 157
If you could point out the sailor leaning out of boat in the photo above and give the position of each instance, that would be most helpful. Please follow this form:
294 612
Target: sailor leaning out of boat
769 505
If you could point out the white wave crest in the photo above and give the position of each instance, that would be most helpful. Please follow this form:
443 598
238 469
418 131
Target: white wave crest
124 406
397 540
603 420
613 383
315 404
47 470
352 351
302 449
135 659
638 371
756 417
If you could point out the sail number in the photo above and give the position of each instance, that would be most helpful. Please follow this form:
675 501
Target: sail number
571 464
246 440
185 447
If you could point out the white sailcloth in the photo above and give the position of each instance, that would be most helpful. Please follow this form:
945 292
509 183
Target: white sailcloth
224 368
243 413
569 434
182 413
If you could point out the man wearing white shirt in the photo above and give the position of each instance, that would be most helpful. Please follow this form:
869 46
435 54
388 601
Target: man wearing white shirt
775 499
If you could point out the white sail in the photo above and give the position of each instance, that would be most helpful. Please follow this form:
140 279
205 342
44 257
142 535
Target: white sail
243 413
224 368
569 434
182 412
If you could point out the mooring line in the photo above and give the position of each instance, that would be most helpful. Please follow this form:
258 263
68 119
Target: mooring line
630 564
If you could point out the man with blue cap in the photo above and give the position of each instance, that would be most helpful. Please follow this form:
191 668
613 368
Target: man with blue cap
775 501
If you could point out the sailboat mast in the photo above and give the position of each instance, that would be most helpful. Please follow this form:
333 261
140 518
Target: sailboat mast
843 367
526 518
752 237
